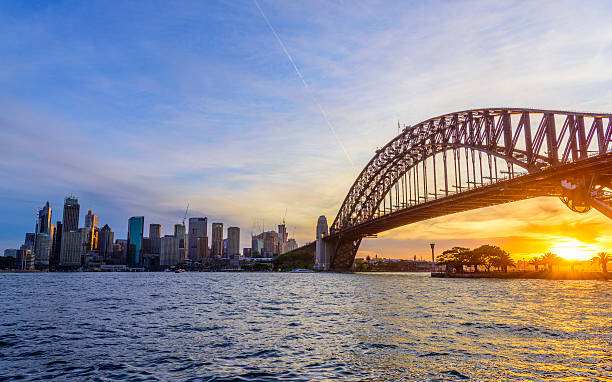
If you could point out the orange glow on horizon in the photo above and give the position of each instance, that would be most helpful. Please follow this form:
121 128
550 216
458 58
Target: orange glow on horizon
572 249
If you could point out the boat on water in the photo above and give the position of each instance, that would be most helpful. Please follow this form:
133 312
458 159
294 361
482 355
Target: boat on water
180 271
302 271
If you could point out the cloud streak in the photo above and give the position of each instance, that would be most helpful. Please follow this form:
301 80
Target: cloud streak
314 98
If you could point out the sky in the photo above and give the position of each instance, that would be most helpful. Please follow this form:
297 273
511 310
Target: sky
140 107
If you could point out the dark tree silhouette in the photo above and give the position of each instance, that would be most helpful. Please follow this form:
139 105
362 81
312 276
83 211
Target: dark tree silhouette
602 260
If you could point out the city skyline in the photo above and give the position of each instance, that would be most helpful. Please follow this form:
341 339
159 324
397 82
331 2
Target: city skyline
201 106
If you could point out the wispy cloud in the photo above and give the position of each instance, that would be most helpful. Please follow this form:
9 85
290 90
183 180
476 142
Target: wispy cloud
199 106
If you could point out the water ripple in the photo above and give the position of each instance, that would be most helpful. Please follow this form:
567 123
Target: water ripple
301 327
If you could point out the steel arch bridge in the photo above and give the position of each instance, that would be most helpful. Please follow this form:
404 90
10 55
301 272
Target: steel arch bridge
472 159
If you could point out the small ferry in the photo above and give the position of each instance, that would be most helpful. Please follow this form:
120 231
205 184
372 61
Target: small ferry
302 271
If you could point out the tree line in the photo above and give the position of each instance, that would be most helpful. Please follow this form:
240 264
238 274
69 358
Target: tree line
488 256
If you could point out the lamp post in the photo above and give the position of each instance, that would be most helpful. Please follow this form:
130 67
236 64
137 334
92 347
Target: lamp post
433 260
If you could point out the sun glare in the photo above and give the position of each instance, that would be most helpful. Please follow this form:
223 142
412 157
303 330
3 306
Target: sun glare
572 249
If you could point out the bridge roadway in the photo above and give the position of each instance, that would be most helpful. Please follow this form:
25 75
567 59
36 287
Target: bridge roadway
544 183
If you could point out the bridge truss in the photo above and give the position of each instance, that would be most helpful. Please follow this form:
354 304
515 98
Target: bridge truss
477 158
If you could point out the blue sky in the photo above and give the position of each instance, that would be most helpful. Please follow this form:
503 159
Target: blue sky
141 107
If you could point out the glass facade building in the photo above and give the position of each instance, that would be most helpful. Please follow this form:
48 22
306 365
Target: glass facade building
134 241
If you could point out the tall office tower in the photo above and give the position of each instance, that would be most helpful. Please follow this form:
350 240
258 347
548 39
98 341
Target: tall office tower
256 246
202 248
179 231
57 246
30 241
91 220
270 241
217 240
282 237
73 247
233 242
155 236
44 248
169 251
70 221
44 219
134 241
197 230
106 238
119 251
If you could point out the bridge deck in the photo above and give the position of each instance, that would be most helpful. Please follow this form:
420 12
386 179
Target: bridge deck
543 183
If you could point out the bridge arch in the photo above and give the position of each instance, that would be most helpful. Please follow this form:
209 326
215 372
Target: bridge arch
418 160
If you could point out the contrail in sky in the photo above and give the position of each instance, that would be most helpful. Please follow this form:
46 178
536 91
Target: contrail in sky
316 101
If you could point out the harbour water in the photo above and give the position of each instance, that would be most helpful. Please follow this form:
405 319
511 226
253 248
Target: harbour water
301 326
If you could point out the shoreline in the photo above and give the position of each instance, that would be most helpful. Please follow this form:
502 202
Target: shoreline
540 275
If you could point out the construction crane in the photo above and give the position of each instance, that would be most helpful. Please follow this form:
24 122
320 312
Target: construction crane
185 217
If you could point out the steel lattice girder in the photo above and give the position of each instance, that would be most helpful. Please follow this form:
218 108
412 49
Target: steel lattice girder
490 131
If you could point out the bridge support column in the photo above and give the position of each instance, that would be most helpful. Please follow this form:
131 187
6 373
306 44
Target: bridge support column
344 251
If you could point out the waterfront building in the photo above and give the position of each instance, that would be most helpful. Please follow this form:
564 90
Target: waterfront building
170 252
91 220
73 247
270 243
246 252
233 242
202 248
119 251
291 245
282 238
106 237
217 240
256 246
43 224
70 221
181 233
30 241
11 253
134 241
197 229
155 236
57 245
44 246
25 259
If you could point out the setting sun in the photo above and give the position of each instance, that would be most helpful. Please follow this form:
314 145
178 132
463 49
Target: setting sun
572 249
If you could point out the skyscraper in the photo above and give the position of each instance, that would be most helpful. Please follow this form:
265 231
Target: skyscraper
233 242
73 247
155 236
202 248
70 221
217 240
106 238
91 220
282 237
44 219
134 241
57 246
179 231
169 252
44 247
197 230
